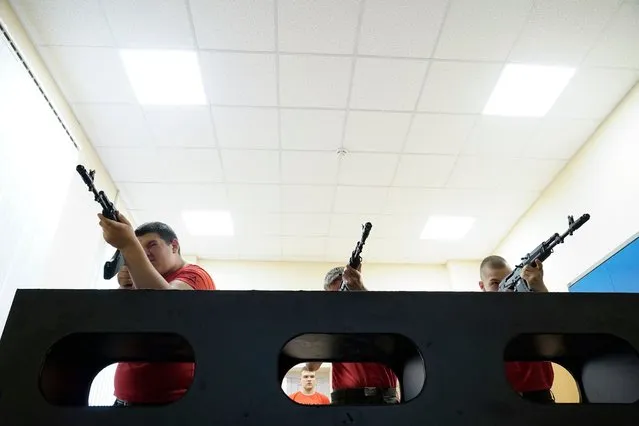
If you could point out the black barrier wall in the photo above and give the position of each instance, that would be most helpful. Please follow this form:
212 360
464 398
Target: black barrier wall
447 348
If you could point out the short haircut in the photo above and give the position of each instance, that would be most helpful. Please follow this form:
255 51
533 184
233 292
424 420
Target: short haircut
332 275
493 262
307 370
162 229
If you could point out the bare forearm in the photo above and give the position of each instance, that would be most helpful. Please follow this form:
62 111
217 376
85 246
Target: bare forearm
142 271
540 288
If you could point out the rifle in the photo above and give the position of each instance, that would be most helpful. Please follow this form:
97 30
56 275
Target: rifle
356 255
514 282
112 266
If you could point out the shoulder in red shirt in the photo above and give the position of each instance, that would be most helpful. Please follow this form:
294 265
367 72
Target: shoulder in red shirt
194 276
162 382
352 375
530 376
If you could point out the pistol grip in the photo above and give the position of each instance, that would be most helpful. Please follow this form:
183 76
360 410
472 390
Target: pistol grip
113 265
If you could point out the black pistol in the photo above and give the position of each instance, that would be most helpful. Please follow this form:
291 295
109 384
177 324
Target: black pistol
356 255
514 282
112 266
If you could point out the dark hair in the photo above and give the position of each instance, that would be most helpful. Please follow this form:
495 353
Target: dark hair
493 262
162 229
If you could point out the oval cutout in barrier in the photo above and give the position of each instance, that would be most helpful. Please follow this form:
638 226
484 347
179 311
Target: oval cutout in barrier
392 359
72 364
573 368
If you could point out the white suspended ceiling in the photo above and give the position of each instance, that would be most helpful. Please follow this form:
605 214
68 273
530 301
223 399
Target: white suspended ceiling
400 85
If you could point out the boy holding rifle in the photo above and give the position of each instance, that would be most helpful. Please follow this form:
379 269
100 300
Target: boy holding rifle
357 382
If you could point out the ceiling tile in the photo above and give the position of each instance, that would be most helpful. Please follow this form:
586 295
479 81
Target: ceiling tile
303 248
465 202
153 196
307 199
64 23
132 164
311 167
219 248
367 169
485 235
256 224
387 84
89 74
484 203
314 81
561 32
410 200
389 250
481 173
359 199
254 198
234 24
617 46
246 127
560 138
172 218
406 28
305 224
165 24
594 93
349 226
304 129
327 26
151 165
247 79
339 249
190 164
251 166
407 226
478 30
114 125
376 131
439 133
424 170
183 126
509 136
473 83
264 248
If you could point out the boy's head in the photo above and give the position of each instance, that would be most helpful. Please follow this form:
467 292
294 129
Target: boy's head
492 271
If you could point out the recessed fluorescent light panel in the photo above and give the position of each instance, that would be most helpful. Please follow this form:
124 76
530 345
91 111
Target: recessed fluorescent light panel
208 222
164 77
527 90
447 227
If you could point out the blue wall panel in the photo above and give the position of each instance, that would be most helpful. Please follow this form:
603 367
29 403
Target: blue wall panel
618 274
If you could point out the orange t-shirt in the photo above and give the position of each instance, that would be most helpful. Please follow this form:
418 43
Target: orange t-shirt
161 382
315 399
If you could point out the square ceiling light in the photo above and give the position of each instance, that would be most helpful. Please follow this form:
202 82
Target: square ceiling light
208 223
164 77
527 90
447 227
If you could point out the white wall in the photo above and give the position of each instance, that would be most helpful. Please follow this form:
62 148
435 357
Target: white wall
243 275
36 164
47 216
603 180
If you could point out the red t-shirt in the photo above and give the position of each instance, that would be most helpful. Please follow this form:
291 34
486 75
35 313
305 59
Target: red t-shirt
315 399
530 376
161 382
362 375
